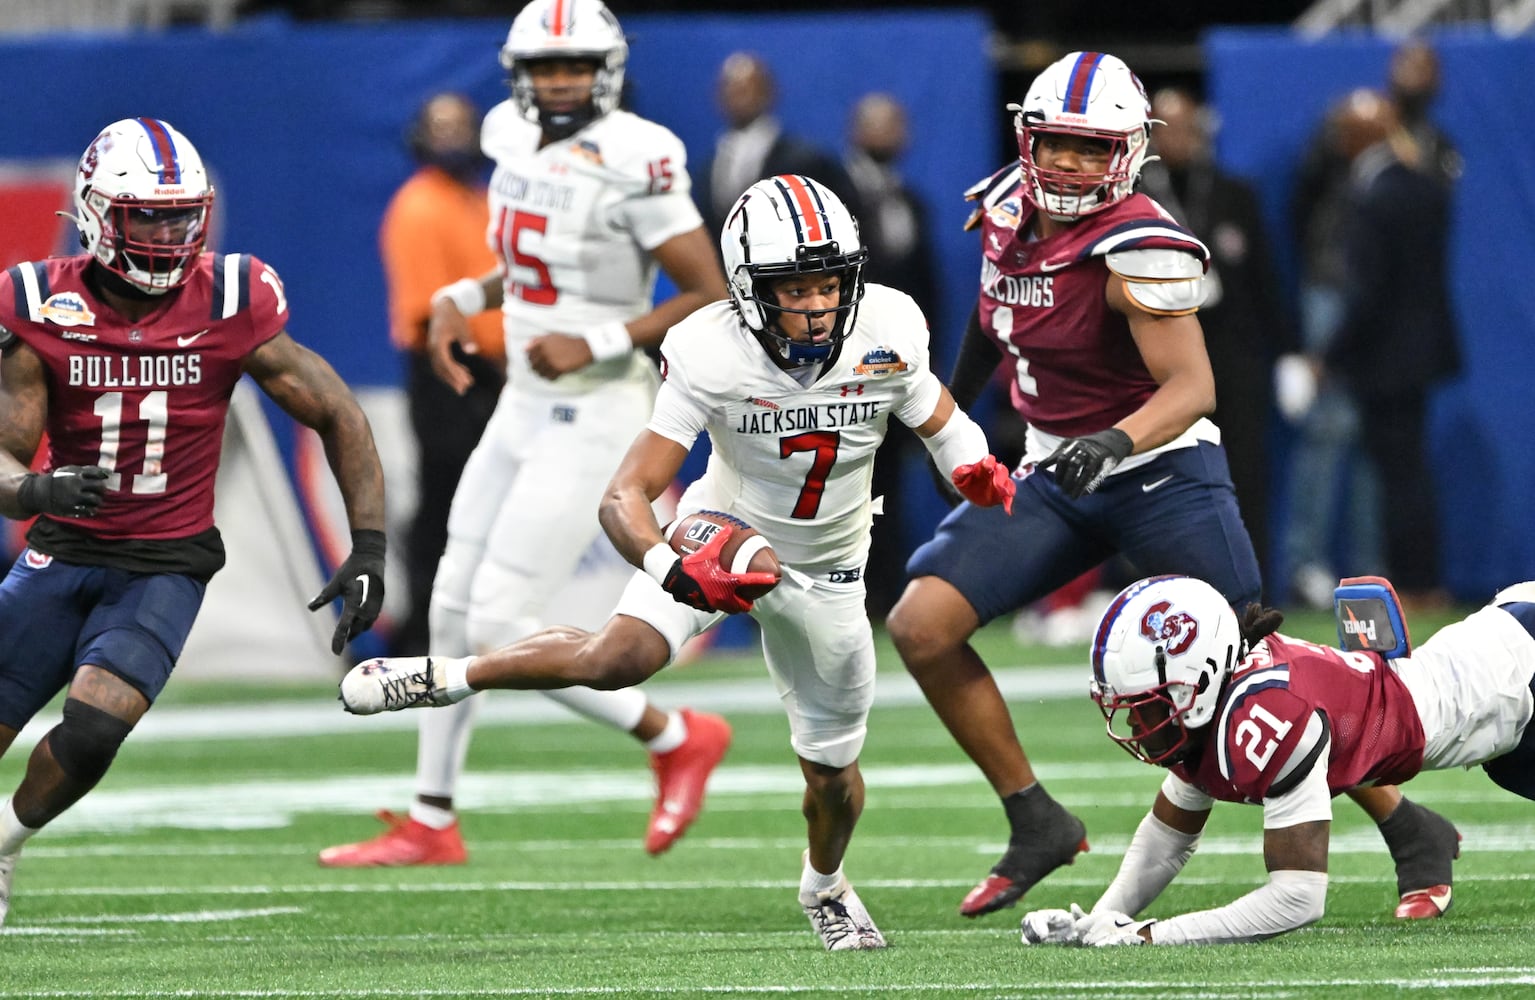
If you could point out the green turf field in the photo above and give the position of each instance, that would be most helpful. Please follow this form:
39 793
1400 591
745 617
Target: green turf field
191 872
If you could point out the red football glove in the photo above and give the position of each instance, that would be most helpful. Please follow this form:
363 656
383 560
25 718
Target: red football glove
699 581
986 484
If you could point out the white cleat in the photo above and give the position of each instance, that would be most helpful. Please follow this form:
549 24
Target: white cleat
842 922
7 868
388 684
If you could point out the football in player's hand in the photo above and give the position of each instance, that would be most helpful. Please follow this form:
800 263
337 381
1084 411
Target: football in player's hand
745 550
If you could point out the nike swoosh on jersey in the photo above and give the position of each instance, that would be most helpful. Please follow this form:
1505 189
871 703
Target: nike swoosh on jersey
1148 487
1051 265
190 340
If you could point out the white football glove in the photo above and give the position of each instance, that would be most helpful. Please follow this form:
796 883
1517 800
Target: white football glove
1053 926
1108 928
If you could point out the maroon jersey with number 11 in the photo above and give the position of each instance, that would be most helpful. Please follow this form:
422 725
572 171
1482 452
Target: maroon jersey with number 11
144 399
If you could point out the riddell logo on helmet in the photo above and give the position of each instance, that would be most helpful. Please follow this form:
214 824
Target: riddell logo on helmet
174 190
1175 632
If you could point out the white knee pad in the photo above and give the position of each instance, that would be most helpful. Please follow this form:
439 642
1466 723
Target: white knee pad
828 744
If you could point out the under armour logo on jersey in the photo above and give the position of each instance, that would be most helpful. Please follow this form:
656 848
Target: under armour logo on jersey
856 389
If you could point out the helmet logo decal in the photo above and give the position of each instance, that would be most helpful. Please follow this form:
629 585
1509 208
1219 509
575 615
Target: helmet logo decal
1176 630
1081 82
809 217
165 150
92 158
556 19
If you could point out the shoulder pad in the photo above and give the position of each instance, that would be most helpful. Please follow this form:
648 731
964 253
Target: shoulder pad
1164 282
1155 264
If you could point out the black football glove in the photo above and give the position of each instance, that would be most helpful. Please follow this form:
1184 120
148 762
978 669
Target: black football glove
359 582
1081 464
68 491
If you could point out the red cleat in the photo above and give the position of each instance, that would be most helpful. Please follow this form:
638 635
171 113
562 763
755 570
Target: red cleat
406 842
998 891
681 775
1424 904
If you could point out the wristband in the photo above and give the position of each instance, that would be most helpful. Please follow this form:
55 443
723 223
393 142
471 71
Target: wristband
608 341
658 562
467 294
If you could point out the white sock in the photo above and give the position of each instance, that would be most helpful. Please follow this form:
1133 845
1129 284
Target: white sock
814 885
452 677
670 738
442 744
432 816
13 833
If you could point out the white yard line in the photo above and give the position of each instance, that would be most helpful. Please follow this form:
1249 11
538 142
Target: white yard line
1449 979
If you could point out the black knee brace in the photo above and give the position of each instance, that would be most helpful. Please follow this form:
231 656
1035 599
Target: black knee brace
85 743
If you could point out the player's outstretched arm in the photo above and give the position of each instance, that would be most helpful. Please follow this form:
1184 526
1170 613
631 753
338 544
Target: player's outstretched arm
309 390
1172 347
688 260
647 469
959 450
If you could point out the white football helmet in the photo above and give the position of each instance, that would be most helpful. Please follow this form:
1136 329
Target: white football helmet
142 203
566 29
1162 653
785 225
1089 94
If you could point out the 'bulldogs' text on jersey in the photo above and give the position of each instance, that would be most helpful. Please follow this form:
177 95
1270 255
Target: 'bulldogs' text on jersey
146 400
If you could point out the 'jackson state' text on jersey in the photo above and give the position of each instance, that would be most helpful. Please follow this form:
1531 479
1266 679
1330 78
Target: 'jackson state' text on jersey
144 399
796 463
1260 723
573 223
1076 367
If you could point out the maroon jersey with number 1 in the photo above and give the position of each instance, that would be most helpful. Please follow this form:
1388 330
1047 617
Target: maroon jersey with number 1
1076 367
144 399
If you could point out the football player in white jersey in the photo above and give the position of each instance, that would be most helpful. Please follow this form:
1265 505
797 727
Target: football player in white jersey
794 380
586 202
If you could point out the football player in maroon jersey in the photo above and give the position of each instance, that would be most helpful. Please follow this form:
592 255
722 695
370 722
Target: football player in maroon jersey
1088 290
127 355
1238 712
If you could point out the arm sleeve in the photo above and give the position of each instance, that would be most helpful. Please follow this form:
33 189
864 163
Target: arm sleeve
977 362
1289 900
1157 853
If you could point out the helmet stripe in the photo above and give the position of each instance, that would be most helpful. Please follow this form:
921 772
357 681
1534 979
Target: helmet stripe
557 20
165 150
809 216
1081 82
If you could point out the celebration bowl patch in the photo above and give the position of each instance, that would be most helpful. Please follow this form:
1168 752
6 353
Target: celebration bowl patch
67 309
1008 213
880 362
587 150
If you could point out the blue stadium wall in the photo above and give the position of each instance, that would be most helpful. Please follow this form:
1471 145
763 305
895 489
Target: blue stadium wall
302 125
